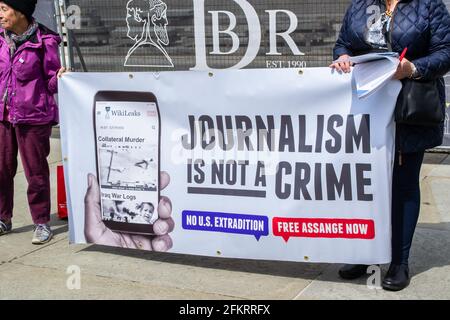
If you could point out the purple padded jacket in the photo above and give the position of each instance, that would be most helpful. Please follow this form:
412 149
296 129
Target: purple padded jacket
30 77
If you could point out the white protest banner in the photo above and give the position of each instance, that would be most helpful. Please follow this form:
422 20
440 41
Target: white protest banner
259 164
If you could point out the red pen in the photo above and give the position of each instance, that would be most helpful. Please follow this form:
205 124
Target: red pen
402 55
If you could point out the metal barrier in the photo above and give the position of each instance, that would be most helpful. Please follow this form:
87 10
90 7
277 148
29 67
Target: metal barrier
106 34
159 35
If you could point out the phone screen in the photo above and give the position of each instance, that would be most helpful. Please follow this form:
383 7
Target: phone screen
127 139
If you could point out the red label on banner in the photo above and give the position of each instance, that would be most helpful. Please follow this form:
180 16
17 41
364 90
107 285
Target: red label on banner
323 228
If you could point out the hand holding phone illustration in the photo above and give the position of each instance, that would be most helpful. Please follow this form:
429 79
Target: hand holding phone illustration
97 232
127 130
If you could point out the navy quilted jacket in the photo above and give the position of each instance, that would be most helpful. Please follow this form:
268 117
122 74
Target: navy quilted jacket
422 26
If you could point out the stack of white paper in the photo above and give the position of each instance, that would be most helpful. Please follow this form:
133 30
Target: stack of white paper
373 70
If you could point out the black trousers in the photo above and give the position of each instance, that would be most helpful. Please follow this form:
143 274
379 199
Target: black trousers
405 203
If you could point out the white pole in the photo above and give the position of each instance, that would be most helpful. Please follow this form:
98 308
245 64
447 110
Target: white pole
62 53
65 32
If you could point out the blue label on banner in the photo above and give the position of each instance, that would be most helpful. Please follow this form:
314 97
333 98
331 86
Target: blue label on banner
256 226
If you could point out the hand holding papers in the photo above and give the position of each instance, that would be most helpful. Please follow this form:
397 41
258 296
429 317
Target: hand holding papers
373 70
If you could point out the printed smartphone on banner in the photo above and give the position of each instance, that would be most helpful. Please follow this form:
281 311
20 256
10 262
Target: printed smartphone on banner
127 132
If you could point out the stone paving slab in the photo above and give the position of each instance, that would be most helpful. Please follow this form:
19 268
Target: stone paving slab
246 279
28 282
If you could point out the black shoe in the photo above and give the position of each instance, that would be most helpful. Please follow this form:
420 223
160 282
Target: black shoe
353 271
397 277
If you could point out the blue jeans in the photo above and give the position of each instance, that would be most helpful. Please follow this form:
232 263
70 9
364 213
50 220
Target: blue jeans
405 203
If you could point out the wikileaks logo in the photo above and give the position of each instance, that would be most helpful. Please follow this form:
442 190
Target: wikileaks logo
125 113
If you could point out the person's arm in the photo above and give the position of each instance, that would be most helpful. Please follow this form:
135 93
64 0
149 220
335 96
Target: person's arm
342 46
437 62
51 64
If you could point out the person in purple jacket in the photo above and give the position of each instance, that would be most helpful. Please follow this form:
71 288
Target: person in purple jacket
29 68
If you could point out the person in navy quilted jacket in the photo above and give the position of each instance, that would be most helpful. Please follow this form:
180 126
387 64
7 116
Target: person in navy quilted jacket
422 26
